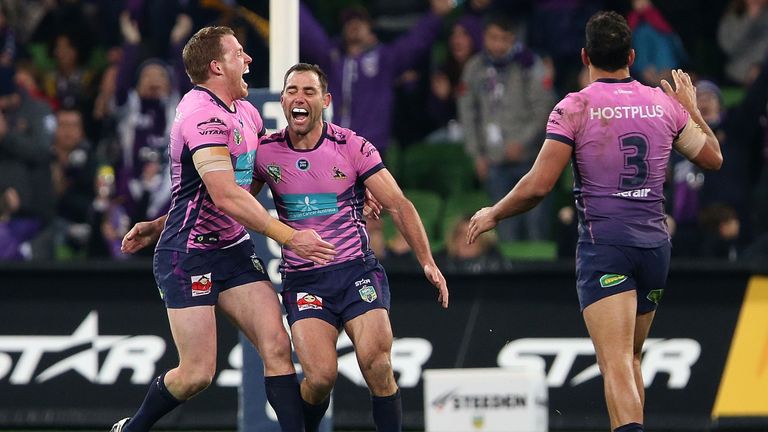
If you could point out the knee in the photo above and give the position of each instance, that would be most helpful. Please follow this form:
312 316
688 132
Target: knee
192 382
376 366
320 380
275 350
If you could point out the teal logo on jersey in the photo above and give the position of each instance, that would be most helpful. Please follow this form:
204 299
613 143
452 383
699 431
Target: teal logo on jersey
244 168
368 293
238 136
656 295
275 172
303 206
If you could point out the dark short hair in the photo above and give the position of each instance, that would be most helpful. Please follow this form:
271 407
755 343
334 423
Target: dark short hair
609 41
501 21
202 48
306 67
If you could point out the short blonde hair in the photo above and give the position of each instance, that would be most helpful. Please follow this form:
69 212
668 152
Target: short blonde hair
202 48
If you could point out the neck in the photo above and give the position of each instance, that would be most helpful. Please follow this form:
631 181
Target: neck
306 141
597 73
220 91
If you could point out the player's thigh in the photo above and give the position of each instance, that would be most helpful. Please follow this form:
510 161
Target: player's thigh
371 333
255 310
194 333
611 325
314 341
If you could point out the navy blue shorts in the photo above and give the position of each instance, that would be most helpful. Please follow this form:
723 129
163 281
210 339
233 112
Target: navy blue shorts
338 294
605 270
196 278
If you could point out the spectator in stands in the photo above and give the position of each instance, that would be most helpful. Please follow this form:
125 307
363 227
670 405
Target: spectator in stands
446 79
71 82
505 99
145 114
25 131
74 172
361 70
659 49
478 257
8 51
721 228
743 36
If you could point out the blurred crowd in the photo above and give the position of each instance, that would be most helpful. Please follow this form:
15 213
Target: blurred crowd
88 90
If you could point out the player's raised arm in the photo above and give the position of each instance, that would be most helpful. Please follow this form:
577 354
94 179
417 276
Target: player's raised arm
385 189
696 142
215 168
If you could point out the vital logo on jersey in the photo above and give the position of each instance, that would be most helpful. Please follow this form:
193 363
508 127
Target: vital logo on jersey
303 206
302 164
212 126
306 301
609 280
201 285
275 172
338 175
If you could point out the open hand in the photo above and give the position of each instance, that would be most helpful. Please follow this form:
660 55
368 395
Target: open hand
308 245
140 236
437 279
482 221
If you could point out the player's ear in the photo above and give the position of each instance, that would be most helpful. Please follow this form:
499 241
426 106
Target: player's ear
214 67
584 57
327 100
631 57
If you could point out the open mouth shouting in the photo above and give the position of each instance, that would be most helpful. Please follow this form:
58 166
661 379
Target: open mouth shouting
300 116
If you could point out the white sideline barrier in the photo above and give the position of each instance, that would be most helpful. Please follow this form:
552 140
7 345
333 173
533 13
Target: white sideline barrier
510 399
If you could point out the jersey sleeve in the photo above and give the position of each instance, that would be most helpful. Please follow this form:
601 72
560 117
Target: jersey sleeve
365 158
679 116
560 125
202 129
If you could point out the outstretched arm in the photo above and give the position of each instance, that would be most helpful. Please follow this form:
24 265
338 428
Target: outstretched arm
528 192
385 189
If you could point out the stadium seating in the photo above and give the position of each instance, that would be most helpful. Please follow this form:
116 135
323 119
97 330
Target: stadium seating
441 168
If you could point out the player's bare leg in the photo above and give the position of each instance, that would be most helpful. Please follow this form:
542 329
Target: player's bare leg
642 327
371 333
255 309
611 325
315 343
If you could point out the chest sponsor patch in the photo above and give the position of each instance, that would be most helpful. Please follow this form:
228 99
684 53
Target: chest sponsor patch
303 206
306 301
275 172
244 168
201 284
609 280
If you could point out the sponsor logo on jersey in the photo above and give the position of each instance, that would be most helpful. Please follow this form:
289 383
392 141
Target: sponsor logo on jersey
368 293
201 285
609 280
637 193
212 126
302 164
244 168
308 301
303 206
338 174
275 172
207 238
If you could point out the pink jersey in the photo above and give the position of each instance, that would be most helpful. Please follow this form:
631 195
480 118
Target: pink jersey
321 189
622 133
203 120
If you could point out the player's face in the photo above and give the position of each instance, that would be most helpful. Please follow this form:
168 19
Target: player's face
234 65
303 101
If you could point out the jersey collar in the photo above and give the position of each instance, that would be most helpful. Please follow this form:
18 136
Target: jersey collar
216 99
317 144
615 80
